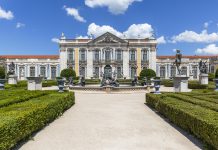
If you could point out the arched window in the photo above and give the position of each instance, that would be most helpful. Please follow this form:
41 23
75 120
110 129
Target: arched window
184 70
162 72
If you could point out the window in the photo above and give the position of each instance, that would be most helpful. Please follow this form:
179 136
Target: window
132 55
32 71
96 72
212 69
82 71
144 55
133 72
82 55
43 71
107 55
53 72
184 71
21 72
71 56
96 56
173 71
162 72
195 72
119 72
119 55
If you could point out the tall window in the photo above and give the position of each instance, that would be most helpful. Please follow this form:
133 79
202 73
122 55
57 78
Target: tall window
162 72
71 56
173 71
119 72
82 71
96 72
195 72
212 69
82 55
133 72
53 72
119 55
107 55
32 71
132 55
184 71
96 55
43 71
21 72
144 55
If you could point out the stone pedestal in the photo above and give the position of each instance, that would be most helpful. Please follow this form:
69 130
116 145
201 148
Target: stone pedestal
203 78
34 83
12 79
157 86
180 83
2 84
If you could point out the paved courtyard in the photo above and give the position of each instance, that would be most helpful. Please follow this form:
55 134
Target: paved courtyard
110 122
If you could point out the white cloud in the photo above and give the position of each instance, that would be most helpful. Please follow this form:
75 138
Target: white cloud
114 6
20 25
8 15
75 13
174 50
134 31
192 37
82 37
55 40
210 49
206 24
161 40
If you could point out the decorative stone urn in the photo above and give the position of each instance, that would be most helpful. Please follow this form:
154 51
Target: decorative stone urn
203 78
180 83
34 83
157 86
2 84
216 83
12 79
61 85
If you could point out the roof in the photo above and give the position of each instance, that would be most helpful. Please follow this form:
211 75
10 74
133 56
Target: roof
190 57
29 56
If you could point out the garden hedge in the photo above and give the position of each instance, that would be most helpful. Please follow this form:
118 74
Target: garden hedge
19 121
200 121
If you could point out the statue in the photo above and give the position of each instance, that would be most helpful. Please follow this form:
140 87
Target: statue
82 81
203 67
178 61
11 69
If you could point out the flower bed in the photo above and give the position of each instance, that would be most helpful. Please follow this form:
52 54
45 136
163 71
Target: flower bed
196 116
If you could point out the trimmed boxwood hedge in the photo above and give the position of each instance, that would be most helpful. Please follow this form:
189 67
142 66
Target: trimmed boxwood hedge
19 121
200 121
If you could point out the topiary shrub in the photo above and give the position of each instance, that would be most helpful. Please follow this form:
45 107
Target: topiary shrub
216 74
67 73
211 76
2 72
148 73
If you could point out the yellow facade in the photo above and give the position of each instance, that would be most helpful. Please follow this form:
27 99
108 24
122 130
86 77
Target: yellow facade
138 61
77 61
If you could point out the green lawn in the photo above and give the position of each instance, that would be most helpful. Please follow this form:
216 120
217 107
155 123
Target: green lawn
24 112
196 112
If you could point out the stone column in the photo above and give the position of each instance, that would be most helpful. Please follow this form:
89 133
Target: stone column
126 64
63 58
139 61
77 61
89 64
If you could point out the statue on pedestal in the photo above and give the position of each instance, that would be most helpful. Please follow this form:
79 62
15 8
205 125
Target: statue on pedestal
203 67
11 69
178 61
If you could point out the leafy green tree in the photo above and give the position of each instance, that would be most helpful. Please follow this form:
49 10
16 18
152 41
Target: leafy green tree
2 72
67 73
148 73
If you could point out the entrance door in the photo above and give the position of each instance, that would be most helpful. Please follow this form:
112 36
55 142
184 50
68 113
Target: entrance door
108 72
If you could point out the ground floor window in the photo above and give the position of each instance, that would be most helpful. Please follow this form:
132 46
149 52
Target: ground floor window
82 71
53 72
184 71
132 72
119 72
195 72
162 72
173 71
21 72
32 71
43 71
96 72
212 69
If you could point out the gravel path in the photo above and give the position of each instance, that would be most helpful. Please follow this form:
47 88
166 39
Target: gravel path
110 122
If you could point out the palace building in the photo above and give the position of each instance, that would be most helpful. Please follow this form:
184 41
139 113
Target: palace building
106 55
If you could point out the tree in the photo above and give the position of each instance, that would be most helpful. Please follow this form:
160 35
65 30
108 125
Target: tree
216 74
67 73
2 72
148 73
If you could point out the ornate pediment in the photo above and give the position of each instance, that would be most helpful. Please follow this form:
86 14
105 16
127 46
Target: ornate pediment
107 38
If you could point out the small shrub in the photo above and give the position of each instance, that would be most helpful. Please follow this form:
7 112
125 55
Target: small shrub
67 73
196 85
148 73
167 83
211 76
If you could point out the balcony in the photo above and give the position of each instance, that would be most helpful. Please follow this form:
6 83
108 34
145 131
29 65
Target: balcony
132 61
82 61
144 61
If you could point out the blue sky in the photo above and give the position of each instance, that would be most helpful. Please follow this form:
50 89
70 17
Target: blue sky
32 27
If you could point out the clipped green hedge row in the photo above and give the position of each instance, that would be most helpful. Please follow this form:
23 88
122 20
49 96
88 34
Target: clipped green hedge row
19 121
49 83
21 96
167 83
202 122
